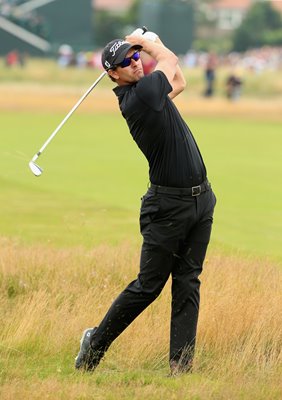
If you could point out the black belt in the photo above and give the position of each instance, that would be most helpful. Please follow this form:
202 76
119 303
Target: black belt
192 191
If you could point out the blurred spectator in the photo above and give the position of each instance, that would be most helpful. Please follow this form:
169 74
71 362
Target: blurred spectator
81 59
15 58
190 59
65 55
210 69
233 87
12 58
95 60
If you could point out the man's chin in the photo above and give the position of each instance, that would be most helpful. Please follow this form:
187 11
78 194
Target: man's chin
139 74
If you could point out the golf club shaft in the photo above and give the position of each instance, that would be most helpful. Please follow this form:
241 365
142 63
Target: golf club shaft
72 110
68 115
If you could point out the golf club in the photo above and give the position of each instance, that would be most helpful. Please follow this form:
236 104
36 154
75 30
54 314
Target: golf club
36 169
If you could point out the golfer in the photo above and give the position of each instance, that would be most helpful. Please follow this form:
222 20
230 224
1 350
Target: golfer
176 212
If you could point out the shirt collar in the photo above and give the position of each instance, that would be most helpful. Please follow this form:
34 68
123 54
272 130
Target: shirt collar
120 90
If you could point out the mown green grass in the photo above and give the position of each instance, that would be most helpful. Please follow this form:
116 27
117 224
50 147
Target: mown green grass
94 176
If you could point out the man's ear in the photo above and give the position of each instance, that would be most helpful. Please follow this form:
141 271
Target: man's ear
113 73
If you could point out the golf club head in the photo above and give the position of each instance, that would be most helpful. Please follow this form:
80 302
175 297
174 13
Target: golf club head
35 168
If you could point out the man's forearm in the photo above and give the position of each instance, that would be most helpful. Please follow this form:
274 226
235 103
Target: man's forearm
179 81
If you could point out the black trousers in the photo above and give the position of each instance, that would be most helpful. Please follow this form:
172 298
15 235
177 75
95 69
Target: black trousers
176 231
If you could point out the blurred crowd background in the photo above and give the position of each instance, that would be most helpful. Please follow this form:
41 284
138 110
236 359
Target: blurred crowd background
210 34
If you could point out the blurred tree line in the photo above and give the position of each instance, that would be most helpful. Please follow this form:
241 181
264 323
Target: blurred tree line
109 25
262 25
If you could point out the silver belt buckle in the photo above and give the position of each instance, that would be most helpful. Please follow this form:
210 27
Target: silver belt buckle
196 190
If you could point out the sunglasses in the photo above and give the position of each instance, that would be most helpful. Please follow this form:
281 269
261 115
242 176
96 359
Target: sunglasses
127 61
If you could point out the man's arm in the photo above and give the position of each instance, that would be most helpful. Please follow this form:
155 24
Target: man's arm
179 82
167 61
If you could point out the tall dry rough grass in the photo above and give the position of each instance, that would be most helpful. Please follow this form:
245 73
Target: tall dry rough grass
48 296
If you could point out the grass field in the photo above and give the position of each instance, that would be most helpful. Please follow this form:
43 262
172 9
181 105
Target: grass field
70 242
95 175
48 296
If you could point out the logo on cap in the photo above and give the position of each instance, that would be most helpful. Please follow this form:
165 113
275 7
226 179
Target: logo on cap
116 46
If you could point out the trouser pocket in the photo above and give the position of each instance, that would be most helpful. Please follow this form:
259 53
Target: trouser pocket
150 208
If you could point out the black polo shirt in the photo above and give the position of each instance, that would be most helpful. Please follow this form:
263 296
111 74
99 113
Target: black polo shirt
160 132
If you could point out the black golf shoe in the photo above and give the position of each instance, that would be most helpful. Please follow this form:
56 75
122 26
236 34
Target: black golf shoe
87 359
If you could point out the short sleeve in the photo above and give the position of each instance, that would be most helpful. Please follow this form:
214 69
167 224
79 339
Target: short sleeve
153 89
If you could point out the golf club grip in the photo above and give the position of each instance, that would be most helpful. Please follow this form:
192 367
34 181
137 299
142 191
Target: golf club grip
145 29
